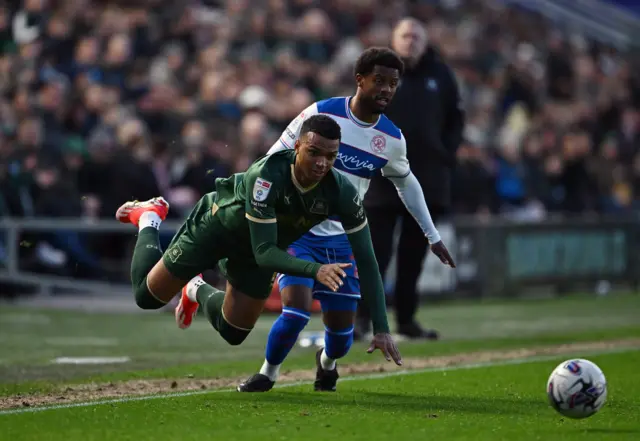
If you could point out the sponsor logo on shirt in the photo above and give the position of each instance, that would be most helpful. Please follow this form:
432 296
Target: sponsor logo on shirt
290 133
354 163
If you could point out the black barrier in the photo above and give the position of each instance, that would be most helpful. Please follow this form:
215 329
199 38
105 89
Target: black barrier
494 257
500 259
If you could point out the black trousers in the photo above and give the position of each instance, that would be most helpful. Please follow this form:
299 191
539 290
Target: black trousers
412 248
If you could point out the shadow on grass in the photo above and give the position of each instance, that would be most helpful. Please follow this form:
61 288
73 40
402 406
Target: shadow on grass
420 403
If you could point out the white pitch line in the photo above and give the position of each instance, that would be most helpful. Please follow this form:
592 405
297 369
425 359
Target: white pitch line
90 360
515 361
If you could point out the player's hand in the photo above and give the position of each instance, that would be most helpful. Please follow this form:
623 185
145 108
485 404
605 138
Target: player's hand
385 343
331 275
442 252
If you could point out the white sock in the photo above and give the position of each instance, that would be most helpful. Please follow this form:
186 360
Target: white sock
149 219
270 370
328 364
192 287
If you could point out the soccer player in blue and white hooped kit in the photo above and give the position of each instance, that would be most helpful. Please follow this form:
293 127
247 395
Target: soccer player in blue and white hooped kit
370 142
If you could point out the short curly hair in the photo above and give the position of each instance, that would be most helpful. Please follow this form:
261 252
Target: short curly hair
323 125
378 56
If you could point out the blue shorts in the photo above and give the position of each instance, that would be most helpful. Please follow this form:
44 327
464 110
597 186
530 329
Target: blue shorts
314 249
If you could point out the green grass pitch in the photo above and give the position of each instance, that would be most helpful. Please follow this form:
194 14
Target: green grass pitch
485 380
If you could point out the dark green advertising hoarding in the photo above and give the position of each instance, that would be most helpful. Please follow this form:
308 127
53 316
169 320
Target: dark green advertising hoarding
508 256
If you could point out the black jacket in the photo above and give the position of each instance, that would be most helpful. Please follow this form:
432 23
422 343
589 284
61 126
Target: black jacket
427 109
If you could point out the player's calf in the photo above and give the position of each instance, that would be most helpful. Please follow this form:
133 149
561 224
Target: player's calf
283 335
212 302
153 285
337 343
232 313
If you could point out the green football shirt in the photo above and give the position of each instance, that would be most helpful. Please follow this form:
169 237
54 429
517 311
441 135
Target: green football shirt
266 209
268 193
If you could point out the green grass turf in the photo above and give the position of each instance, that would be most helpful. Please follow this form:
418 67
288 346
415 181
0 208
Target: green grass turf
491 403
30 339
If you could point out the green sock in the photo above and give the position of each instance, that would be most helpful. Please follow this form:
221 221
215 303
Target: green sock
211 300
145 255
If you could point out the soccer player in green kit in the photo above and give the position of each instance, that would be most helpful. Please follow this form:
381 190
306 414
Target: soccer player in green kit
245 226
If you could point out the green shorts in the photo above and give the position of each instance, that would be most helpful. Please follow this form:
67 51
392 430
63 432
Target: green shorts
202 242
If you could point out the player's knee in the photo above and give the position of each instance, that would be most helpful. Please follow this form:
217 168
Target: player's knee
232 334
293 320
145 298
337 342
298 297
234 338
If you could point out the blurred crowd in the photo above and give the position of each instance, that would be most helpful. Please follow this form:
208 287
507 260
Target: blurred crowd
104 101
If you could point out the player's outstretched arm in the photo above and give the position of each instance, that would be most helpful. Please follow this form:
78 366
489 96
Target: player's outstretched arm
399 173
371 283
372 289
412 197
354 221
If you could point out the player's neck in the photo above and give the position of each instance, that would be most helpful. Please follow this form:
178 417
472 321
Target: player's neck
299 180
359 112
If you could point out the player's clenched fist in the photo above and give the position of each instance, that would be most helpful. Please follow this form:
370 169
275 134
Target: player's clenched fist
385 343
331 275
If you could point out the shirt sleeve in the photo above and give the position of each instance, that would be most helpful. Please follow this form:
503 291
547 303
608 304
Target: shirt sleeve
260 196
398 164
290 135
412 197
354 221
371 285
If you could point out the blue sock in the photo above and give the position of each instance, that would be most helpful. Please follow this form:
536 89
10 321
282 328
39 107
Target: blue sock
284 333
337 343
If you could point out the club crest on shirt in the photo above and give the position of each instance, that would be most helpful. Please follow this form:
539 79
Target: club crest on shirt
174 253
261 189
378 143
319 206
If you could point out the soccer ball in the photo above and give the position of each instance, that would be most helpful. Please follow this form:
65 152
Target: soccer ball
577 388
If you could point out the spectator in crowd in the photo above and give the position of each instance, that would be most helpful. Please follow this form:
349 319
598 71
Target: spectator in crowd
428 110
164 96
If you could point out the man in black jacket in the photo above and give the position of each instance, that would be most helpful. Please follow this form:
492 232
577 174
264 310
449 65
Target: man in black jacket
427 109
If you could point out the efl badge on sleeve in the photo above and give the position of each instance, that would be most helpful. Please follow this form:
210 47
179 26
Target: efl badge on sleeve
261 189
